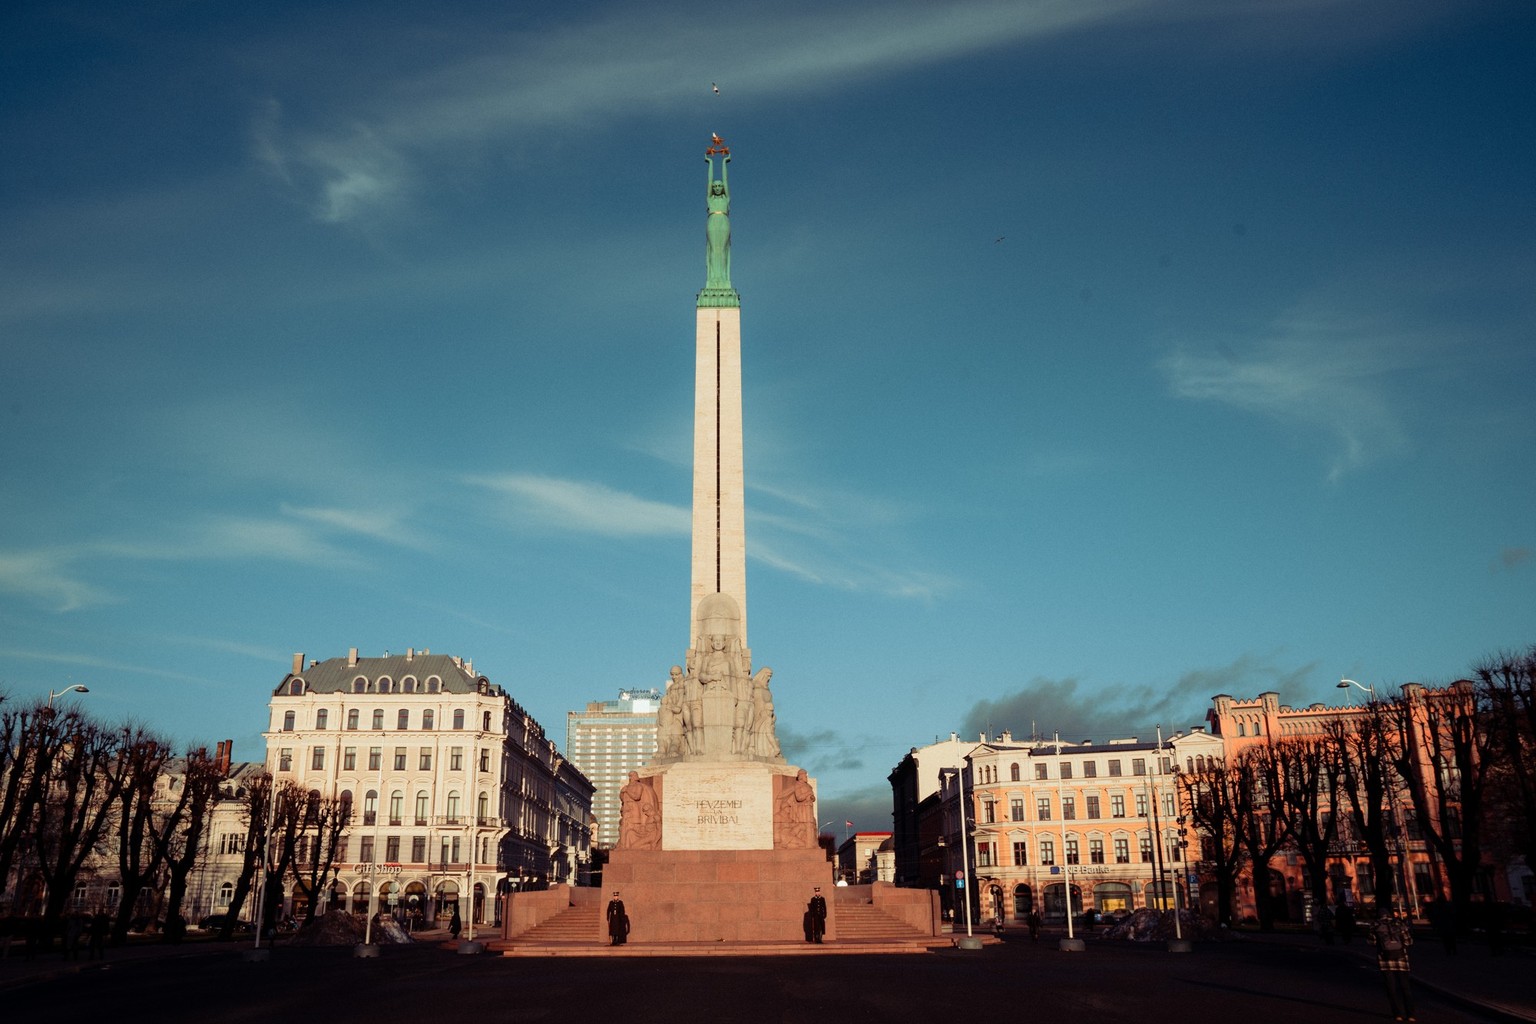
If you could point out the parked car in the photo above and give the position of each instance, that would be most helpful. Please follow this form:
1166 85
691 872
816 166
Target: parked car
213 922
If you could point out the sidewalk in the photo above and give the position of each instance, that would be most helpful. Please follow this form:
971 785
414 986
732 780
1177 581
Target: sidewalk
1499 985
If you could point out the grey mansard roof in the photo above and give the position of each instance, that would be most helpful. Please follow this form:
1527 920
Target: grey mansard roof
404 673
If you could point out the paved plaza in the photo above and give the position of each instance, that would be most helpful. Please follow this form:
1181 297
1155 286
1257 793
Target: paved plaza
1253 981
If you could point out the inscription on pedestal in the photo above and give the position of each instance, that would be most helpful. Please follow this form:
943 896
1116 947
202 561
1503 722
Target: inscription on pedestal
717 807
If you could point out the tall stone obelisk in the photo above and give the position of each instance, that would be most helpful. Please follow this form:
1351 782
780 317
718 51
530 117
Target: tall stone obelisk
719 504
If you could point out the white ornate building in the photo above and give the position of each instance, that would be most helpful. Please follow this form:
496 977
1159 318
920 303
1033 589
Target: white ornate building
454 787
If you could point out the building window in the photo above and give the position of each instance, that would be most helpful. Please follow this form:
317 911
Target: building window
1041 772
983 855
287 721
1016 808
392 850
1068 808
1090 769
485 722
1042 808
378 718
456 759
1073 857
352 719
426 759
1168 805
409 682
317 759
226 893
1141 805
1047 852
1020 855
426 718
370 807
399 759
1122 851
349 759
358 685
396 801
285 759
403 719
458 718
341 850
453 807
1117 806
1093 807
365 854
1145 850
1114 766
432 684
421 809
1013 773
483 808
1096 851
375 758
1138 766
1066 769
296 687
322 718
485 759
418 849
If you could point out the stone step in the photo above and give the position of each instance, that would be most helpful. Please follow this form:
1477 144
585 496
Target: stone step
647 949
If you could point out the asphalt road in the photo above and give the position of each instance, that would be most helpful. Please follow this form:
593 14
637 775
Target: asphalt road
1243 983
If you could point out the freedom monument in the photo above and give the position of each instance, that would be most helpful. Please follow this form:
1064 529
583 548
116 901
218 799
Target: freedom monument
717 836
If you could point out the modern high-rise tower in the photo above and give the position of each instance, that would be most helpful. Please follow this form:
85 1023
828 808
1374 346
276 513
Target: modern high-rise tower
719 506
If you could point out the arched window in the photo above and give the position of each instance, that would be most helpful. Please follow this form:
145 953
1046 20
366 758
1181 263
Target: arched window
386 685
1013 773
403 719
226 893
370 807
458 718
483 807
421 808
432 684
409 682
1241 729
287 721
378 718
312 807
296 687
426 718
346 804
352 719
396 806
322 718
453 805
359 684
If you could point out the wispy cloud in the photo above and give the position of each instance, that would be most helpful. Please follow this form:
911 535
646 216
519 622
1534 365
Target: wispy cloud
582 506
1512 558
1326 373
101 664
47 576
501 86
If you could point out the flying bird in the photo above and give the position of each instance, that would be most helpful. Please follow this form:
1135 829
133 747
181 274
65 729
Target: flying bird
999 238
715 87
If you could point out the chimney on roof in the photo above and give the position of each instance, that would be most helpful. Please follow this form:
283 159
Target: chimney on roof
351 657
298 663
410 654
1007 736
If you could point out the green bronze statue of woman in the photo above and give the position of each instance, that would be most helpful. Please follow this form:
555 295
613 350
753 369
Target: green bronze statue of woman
717 226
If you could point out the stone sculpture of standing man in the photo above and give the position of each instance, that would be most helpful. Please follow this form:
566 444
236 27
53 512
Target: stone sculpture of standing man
717 226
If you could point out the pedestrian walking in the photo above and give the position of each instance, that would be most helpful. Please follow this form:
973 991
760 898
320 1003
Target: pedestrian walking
1391 936
1325 924
454 923
1345 919
1033 920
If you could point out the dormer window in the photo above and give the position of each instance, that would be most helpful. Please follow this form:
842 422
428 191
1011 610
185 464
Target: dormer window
296 688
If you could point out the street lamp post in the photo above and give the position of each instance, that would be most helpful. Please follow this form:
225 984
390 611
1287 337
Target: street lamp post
72 688
965 863
1070 944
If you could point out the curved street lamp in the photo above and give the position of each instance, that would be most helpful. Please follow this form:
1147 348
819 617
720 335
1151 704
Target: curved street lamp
1345 684
73 687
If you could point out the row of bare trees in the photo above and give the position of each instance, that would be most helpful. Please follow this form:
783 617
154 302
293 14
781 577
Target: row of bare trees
80 799
1455 766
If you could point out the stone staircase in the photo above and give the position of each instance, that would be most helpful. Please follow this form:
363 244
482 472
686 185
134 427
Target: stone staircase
861 928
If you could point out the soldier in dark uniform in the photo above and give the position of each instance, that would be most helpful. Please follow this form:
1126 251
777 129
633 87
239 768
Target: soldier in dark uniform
816 913
618 922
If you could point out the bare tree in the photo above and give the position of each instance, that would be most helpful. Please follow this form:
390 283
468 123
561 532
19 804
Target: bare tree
1506 686
30 737
143 757
1444 754
178 831
1210 797
1309 772
257 812
1259 815
1366 749
83 780
324 821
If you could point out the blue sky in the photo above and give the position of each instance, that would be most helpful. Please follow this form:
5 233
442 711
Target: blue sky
1100 356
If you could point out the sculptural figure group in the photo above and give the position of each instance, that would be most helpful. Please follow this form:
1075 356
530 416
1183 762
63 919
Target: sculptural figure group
718 666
